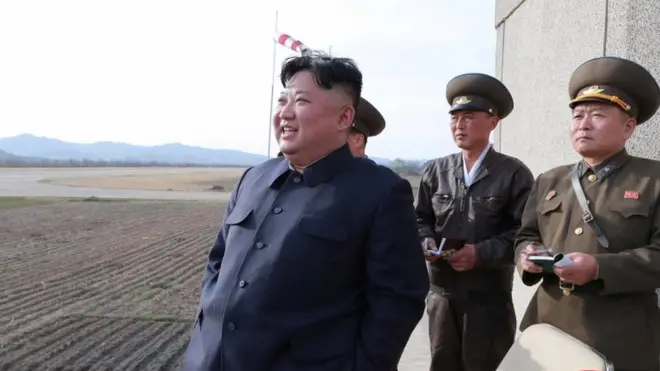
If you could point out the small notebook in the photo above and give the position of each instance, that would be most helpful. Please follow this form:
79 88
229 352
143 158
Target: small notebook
447 247
548 262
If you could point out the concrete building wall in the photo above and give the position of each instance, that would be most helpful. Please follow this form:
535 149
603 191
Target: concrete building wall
540 43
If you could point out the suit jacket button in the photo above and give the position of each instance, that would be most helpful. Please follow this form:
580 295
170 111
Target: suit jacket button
578 231
242 283
231 326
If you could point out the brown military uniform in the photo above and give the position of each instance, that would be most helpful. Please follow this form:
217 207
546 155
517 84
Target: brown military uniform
472 322
617 314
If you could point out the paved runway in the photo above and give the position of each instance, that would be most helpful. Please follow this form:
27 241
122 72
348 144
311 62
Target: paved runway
25 182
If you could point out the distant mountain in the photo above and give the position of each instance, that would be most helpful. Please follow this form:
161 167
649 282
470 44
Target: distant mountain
38 149
6 157
175 153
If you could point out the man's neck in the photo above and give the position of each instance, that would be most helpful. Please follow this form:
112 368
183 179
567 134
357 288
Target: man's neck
299 163
470 156
594 161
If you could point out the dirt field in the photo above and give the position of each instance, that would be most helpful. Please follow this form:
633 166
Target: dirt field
100 285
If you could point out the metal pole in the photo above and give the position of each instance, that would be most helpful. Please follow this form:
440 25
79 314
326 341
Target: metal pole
272 90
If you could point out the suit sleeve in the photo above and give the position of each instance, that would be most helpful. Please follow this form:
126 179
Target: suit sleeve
424 207
218 250
397 282
636 270
498 251
529 232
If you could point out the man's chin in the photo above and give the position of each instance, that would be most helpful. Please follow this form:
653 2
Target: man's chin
288 149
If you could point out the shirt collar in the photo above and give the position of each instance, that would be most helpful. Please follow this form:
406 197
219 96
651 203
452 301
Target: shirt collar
320 171
468 176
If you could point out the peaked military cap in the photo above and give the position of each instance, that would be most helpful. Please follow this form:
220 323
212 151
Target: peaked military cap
479 92
617 81
368 120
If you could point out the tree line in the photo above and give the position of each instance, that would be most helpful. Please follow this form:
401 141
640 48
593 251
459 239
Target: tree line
407 167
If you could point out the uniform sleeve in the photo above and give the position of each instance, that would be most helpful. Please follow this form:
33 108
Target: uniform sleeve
528 232
397 282
636 270
218 250
424 206
499 251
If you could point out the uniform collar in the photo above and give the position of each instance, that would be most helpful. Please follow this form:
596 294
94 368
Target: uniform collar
319 172
607 167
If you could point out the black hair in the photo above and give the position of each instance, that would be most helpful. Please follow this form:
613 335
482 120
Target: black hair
328 72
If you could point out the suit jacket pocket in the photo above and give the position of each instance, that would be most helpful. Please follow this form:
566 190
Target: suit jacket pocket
239 215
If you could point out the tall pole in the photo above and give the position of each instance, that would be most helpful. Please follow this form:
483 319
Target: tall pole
272 89
330 51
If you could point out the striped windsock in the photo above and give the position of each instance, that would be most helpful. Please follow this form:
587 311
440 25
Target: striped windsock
291 43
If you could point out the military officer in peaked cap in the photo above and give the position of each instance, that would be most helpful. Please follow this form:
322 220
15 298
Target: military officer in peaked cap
604 214
472 202
369 122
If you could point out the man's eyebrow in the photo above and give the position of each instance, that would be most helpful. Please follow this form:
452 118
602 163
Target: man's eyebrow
295 92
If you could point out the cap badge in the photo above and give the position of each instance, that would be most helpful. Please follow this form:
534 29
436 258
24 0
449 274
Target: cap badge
592 90
461 100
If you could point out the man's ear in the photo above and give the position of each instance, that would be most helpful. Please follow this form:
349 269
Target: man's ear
346 117
629 127
494 120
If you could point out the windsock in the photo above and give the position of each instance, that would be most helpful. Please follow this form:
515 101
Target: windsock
291 43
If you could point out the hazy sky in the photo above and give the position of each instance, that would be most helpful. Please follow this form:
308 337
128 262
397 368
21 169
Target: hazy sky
199 72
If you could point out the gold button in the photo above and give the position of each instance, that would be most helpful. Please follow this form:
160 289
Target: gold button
578 231
592 178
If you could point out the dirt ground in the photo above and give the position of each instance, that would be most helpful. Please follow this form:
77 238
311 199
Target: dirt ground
100 285
222 180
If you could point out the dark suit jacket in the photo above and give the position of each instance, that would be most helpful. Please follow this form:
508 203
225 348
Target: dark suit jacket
315 271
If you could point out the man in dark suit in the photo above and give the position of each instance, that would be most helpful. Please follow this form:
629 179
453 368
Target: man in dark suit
317 264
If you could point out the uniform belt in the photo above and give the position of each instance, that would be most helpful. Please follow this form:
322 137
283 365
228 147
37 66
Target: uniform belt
593 287
472 296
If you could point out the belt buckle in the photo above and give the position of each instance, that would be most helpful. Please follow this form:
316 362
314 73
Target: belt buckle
566 288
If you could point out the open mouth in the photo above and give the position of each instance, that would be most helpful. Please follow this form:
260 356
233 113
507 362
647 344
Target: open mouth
288 132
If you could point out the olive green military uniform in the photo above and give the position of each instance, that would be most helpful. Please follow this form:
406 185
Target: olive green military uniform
617 314
472 323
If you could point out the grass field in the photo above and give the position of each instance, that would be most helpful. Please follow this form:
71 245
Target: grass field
100 285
